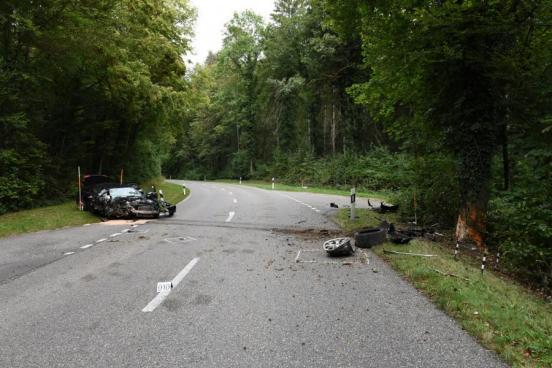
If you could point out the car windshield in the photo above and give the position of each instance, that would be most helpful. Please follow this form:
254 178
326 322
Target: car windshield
124 192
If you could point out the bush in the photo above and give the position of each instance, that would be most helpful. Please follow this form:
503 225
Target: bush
520 220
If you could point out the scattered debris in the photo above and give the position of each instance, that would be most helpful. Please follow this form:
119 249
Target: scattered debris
399 239
449 274
366 238
384 208
408 254
338 247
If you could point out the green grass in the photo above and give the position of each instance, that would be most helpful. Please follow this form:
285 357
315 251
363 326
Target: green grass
316 189
173 192
501 314
366 218
44 218
67 214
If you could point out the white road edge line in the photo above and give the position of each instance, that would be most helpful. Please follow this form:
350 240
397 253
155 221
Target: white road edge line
86 246
177 279
230 216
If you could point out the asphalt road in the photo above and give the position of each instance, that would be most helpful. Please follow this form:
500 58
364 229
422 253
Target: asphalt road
239 296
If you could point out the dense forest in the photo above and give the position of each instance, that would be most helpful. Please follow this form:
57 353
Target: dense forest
445 104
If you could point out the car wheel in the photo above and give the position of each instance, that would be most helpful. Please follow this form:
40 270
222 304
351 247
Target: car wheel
367 238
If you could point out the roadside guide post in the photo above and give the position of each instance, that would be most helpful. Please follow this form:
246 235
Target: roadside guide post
184 189
353 200
240 179
272 183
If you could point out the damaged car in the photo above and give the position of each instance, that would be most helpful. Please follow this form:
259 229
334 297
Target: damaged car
128 201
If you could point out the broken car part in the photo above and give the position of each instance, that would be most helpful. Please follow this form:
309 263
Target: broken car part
339 247
369 237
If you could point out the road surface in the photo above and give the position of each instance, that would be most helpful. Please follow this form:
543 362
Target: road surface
250 288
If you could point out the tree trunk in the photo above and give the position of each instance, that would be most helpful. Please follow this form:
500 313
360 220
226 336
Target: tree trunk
333 129
506 160
471 225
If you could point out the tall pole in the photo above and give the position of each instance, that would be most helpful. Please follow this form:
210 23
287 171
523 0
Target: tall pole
79 185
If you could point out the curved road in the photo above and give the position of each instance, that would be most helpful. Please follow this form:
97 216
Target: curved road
250 288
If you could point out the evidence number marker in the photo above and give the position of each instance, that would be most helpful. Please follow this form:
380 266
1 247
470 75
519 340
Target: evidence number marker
166 290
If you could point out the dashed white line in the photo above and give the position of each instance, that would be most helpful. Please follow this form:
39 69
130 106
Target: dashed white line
230 216
235 200
231 193
177 279
114 235
303 203
101 240
68 253
125 231
87 246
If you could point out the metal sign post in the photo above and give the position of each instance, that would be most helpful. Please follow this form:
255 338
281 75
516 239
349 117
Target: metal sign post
353 200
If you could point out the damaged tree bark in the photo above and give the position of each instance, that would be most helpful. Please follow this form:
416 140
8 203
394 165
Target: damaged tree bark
471 224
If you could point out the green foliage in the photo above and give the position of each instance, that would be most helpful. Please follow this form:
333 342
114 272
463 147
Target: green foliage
521 228
97 84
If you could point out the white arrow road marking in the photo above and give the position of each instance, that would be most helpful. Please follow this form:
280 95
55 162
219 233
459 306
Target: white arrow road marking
230 216
164 294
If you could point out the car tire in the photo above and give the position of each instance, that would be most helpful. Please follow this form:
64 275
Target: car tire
367 238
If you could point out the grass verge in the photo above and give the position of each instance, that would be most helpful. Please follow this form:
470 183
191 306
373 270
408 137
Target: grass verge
44 218
173 192
297 188
501 314
67 214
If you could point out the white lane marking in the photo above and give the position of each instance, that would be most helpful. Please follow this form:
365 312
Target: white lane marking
177 279
68 253
230 216
114 235
86 246
303 203
235 200
101 240
223 189
231 193
298 255
125 231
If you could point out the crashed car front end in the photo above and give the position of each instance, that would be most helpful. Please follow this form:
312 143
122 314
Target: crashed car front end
125 208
